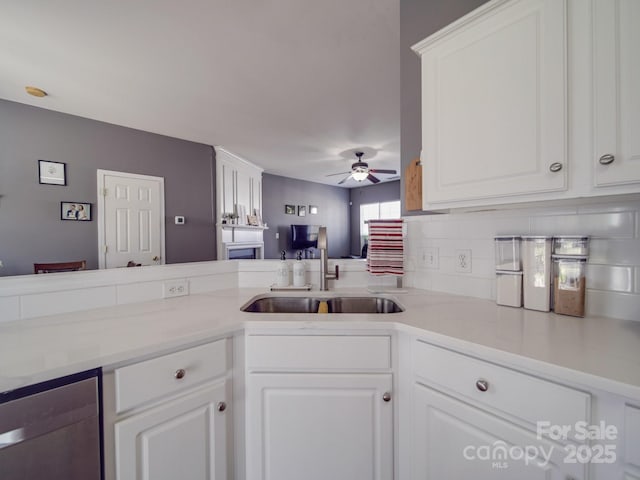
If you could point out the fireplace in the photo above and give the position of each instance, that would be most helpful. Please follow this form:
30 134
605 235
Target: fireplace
243 251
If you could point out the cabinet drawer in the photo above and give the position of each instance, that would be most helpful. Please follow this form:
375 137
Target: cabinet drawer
632 435
323 352
523 396
158 377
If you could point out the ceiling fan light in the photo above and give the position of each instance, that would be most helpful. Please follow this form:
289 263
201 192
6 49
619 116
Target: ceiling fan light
359 176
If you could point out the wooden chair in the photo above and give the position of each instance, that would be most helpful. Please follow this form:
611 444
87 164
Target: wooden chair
59 267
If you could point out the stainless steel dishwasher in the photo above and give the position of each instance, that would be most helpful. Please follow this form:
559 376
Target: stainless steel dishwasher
52 430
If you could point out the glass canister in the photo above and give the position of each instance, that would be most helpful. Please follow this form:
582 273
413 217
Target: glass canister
569 285
536 272
508 253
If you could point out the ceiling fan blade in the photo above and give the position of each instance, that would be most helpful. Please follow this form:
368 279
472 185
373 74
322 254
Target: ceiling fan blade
344 179
372 179
390 172
341 173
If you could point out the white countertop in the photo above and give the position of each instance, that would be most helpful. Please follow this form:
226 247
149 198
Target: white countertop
595 352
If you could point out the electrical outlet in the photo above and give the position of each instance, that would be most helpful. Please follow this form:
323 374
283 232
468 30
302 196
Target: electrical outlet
176 288
463 261
428 257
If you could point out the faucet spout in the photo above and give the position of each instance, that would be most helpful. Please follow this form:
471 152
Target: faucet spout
324 261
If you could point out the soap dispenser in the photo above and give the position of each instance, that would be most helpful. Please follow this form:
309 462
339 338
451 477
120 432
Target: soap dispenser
299 271
282 272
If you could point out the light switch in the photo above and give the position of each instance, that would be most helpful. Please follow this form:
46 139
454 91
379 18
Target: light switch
179 219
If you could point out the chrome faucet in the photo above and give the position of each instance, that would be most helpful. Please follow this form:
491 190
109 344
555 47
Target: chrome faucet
324 261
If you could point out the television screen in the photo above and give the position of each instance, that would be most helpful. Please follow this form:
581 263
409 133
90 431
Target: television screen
304 236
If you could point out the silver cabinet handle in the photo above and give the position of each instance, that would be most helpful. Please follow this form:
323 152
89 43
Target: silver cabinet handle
221 406
180 373
555 167
482 385
606 159
386 397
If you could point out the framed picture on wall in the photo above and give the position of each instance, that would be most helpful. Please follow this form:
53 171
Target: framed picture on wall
290 209
77 211
52 173
313 209
302 210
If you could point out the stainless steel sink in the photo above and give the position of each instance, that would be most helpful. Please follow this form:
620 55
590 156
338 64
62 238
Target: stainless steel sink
270 304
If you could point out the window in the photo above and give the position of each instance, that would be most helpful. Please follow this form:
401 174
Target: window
376 211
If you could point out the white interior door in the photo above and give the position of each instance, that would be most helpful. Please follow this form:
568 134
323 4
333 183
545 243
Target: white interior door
131 219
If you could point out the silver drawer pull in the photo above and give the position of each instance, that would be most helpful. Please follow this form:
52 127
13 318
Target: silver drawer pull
606 159
386 397
555 167
180 373
221 406
482 385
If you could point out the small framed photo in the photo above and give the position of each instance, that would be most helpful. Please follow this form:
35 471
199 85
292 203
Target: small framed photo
52 173
313 209
77 211
253 220
302 210
290 209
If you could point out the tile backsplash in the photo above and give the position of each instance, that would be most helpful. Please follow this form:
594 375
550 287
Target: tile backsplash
613 271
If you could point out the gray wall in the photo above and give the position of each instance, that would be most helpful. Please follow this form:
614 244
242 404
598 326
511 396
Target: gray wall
333 212
382 192
30 226
418 20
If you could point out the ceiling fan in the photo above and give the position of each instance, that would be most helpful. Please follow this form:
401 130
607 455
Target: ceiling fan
360 171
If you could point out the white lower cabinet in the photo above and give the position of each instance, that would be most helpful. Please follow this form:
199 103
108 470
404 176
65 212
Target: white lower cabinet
458 441
320 426
168 417
319 407
473 419
181 438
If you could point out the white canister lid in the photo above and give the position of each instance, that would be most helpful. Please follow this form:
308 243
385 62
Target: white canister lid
581 237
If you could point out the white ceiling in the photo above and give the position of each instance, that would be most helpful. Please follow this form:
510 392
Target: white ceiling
291 85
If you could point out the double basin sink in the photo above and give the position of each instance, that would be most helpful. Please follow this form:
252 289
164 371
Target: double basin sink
281 304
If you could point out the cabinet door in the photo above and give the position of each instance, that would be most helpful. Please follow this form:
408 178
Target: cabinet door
256 193
182 438
456 441
494 105
243 189
227 186
617 96
319 427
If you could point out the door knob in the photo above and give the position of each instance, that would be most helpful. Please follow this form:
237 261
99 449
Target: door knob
221 406
555 167
180 373
386 397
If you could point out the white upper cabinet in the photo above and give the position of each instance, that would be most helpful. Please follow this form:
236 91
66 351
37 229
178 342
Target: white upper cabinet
238 183
524 100
616 41
494 103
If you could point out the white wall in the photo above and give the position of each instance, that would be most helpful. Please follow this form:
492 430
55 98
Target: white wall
613 271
